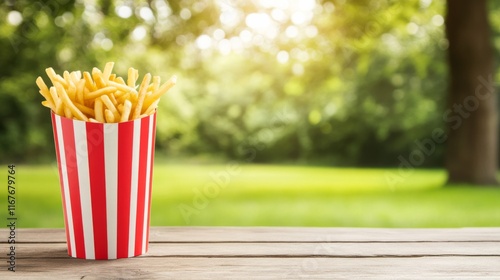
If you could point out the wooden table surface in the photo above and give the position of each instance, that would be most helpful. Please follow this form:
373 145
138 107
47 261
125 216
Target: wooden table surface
270 253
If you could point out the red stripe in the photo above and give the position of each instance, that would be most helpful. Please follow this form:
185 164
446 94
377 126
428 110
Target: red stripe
97 174
74 185
151 178
125 145
56 141
141 192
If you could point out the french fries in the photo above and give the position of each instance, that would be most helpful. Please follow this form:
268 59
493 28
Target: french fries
102 96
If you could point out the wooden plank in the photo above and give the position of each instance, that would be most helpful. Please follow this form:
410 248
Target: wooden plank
285 234
285 250
260 268
293 234
272 253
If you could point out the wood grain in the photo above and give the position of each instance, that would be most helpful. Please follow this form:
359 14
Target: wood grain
272 253
285 234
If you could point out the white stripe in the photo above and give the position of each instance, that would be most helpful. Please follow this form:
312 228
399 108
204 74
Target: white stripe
111 167
65 186
145 226
134 182
84 180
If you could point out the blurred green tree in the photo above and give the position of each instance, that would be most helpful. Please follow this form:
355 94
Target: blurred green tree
329 82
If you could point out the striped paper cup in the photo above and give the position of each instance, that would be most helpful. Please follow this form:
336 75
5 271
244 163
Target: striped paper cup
105 172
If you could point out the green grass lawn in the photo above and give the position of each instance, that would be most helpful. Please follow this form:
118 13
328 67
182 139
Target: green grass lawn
272 195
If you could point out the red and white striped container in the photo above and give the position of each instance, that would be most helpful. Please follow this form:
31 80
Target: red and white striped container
105 171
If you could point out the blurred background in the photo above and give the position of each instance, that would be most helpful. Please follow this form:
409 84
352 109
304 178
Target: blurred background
319 106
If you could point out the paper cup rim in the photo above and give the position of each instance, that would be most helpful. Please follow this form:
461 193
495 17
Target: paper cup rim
63 117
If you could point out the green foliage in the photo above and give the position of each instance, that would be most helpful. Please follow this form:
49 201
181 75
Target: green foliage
271 195
339 82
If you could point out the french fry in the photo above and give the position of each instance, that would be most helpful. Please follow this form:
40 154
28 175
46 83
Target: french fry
152 107
76 76
102 96
155 85
162 90
98 110
53 94
59 110
89 83
54 78
66 77
44 91
107 70
88 102
98 93
45 103
109 104
110 118
71 90
141 95
86 110
127 107
121 87
80 91
113 99
68 103
120 81
122 97
98 78
130 77
67 113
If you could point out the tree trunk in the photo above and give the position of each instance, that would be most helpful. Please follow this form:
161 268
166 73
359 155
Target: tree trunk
471 117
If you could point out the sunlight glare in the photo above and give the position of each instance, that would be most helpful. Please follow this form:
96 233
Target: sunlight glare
311 31
106 44
236 44
280 4
139 33
14 18
263 25
258 40
246 36
412 28
299 18
146 14
298 69
185 14
292 31
123 11
204 42
437 20
282 57
224 46
219 34
258 21
279 15
230 17
305 5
